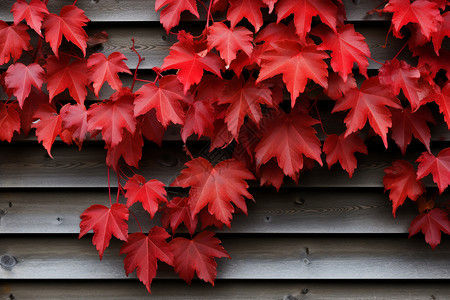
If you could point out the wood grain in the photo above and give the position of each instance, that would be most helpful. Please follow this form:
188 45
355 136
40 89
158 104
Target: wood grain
288 211
253 257
226 289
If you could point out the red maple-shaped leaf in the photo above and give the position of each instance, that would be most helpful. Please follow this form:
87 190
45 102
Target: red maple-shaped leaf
178 211
270 4
13 40
48 126
143 252
130 149
424 13
271 174
443 30
105 222
297 64
113 118
249 9
245 98
35 100
431 224
151 128
438 166
288 138
208 220
229 41
191 60
337 87
442 98
406 124
197 256
304 11
398 75
400 179
19 78
218 187
74 119
368 103
150 193
9 121
172 9
63 74
165 99
431 61
102 69
33 13
342 149
347 46
69 23
200 119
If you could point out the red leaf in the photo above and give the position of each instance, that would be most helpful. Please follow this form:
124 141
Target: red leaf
245 98
443 30
191 61
400 179
199 120
208 220
19 78
69 23
143 251
229 41
405 124
431 224
337 87
9 121
287 138
178 211
102 69
342 149
297 64
347 46
249 9
271 174
400 75
270 4
438 166
216 187
13 40
151 129
113 118
62 74
35 100
442 98
165 99
171 13
429 60
105 222
33 13
368 103
424 13
47 127
150 193
197 256
74 119
130 148
304 11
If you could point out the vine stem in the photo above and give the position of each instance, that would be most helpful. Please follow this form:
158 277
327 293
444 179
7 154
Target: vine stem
119 187
139 225
109 189
320 119
137 66
208 15
75 2
375 60
400 51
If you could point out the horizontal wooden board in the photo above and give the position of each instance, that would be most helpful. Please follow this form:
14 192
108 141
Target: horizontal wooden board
253 257
27 165
288 211
226 289
144 10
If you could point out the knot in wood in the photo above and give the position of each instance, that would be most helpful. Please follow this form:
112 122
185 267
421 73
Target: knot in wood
7 261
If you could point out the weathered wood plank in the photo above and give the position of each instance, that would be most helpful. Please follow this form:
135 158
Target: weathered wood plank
288 211
225 289
144 10
30 166
253 257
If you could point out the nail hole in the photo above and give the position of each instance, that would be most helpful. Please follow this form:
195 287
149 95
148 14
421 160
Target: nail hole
58 219
306 261
299 201
290 297
11 297
306 250
305 291
268 219
164 37
10 204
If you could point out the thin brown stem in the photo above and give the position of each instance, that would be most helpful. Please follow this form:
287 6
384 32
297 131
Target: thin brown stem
139 225
400 51
137 66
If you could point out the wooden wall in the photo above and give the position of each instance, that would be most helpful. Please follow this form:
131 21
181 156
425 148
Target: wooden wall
330 237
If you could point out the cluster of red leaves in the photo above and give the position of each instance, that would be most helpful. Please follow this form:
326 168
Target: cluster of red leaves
227 84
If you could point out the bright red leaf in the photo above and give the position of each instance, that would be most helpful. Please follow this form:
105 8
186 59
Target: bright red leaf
130 149
143 252
102 69
33 13
197 256
150 193
368 103
74 119
431 224
172 9
337 87
216 186
438 166
400 179
105 222
13 40
443 30
151 128
48 126
19 78
35 100
200 119
69 23
9 121
442 98
249 9
271 174
178 211
342 149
